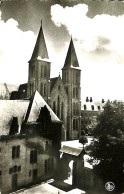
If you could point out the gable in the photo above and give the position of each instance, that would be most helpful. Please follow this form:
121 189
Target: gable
34 109
58 89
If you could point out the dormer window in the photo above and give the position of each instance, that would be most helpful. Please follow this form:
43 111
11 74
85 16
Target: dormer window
92 107
98 107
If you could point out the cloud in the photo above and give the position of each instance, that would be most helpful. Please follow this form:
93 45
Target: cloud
88 30
100 49
16 48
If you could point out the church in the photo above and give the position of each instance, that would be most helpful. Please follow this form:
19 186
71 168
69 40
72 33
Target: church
62 94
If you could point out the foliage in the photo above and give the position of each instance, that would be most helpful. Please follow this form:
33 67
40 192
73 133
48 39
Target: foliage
107 149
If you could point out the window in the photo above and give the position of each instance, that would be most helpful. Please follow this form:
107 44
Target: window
98 107
45 89
75 124
33 71
58 106
42 71
66 88
74 108
33 156
30 173
41 88
19 168
49 165
15 152
15 168
10 170
85 107
47 145
92 107
45 71
62 110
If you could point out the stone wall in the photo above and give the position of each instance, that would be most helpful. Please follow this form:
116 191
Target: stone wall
24 169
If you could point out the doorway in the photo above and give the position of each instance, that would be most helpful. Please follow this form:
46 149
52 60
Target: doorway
14 181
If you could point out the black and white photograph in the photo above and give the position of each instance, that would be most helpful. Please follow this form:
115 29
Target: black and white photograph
61 97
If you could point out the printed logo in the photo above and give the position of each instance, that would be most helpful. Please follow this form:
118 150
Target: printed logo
109 186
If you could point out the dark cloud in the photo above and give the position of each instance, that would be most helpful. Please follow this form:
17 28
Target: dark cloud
100 48
102 41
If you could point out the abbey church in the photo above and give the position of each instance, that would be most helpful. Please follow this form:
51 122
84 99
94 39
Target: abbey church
62 94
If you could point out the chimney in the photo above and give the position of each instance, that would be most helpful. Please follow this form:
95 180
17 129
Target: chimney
103 101
91 100
87 100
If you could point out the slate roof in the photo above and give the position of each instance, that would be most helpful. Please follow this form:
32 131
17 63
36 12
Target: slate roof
71 58
71 150
27 110
36 102
52 82
40 49
10 109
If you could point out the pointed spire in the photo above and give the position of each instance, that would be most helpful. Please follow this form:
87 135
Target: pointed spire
40 49
71 58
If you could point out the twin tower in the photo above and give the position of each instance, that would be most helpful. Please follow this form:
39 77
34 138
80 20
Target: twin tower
62 94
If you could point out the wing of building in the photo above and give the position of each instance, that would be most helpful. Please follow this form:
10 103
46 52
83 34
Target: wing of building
30 139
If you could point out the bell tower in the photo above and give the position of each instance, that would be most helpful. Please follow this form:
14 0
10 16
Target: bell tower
39 69
71 75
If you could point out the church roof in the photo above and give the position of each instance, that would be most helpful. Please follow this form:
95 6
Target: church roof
52 82
40 49
36 103
71 58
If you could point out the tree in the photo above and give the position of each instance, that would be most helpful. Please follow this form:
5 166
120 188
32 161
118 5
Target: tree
83 140
107 149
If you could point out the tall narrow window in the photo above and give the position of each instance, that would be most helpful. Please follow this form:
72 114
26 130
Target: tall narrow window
73 92
42 71
62 111
33 156
76 92
45 89
15 152
41 88
58 106
45 71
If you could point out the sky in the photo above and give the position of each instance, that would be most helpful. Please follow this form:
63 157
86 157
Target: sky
97 29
